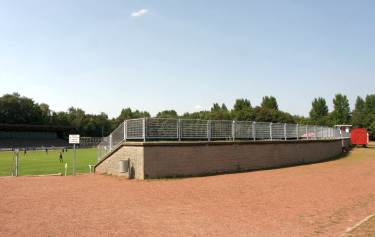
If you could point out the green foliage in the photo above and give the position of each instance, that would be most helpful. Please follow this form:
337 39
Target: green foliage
270 115
16 109
302 120
370 104
341 110
167 114
242 110
96 125
371 130
46 113
369 119
269 102
359 113
319 111
220 112
127 113
197 115
21 110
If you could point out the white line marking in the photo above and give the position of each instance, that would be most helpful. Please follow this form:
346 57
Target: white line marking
350 229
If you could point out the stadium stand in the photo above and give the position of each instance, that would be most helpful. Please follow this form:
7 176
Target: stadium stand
33 136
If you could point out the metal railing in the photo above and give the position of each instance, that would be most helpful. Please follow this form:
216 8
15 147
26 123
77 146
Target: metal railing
157 129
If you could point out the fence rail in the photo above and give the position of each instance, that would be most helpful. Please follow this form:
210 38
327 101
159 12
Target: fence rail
152 129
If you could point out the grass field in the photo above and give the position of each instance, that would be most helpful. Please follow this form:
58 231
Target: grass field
40 163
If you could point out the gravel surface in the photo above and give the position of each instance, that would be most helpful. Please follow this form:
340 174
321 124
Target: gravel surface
314 200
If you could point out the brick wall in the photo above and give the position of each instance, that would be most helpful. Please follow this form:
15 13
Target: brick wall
169 161
132 153
172 159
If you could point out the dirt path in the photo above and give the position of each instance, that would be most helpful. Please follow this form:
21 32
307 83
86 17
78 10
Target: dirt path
315 200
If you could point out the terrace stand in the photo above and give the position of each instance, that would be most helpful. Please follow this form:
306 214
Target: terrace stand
159 129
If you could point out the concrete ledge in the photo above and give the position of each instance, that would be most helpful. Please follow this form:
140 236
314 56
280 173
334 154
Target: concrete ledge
229 142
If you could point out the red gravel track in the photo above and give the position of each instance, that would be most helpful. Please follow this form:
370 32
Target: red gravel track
313 200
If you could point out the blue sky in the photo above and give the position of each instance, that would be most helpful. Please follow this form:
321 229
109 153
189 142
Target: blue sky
102 56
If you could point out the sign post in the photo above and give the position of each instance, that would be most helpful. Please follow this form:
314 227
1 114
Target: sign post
66 168
17 161
74 139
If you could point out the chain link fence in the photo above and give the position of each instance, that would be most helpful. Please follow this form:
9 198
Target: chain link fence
90 141
157 129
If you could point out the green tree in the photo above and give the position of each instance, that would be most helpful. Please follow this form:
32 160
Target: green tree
76 117
369 109
96 125
341 110
302 120
370 104
219 112
284 117
242 110
128 113
60 118
359 113
17 109
205 115
167 114
319 111
270 115
269 102
46 113
371 130
370 114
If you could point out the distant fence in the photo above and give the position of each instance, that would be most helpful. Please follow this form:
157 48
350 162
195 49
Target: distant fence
154 129
90 141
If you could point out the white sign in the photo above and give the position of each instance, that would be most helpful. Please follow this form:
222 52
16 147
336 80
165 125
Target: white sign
74 139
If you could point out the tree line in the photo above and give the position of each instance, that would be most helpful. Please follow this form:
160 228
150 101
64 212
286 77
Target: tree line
17 109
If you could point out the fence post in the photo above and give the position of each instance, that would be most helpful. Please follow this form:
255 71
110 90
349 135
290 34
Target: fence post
297 131
125 129
253 130
307 132
233 130
315 135
17 163
285 135
271 131
110 142
179 129
209 130
144 129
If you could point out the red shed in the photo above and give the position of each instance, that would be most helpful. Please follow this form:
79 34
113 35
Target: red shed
359 136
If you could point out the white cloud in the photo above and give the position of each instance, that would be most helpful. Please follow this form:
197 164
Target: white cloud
198 107
139 13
